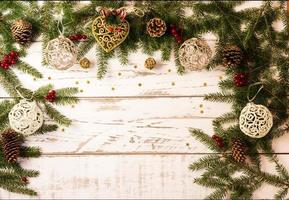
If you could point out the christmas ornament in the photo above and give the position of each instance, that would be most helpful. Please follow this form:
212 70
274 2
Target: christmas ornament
21 31
232 56
150 63
109 36
8 60
239 150
255 120
51 96
84 63
219 141
26 117
194 54
61 53
77 37
241 79
11 145
156 27
176 34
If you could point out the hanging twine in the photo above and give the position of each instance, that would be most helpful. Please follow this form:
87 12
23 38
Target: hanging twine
60 26
249 88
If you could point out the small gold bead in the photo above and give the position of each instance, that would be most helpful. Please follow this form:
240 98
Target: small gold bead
112 88
150 63
72 106
201 111
205 84
139 84
87 81
169 70
76 82
221 77
81 90
49 78
34 79
173 83
62 129
84 63
201 105
119 74
135 66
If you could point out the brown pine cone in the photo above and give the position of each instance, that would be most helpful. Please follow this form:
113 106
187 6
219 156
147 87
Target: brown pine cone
150 63
10 145
21 31
156 27
239 150
232 56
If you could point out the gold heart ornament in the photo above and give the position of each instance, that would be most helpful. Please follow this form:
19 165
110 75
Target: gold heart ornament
109 36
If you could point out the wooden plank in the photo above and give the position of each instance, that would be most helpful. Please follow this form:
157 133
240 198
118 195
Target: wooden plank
110 177
138 125
132 125
123 80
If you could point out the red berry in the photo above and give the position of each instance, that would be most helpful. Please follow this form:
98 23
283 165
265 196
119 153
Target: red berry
84 37
179 40
173 31
240 79
173 26
13 62
13 54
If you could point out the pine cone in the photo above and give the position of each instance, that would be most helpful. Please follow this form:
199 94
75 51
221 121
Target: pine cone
239 150
21 31
156 27
232 56
11 145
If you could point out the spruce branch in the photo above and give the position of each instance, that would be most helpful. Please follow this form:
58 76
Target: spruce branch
56 115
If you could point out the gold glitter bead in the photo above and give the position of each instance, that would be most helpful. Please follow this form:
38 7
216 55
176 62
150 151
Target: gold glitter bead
84 63
150 63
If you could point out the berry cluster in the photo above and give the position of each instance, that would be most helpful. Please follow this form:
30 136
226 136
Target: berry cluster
51 96
241 79
113 29
219 141
9 59
176 33
78 37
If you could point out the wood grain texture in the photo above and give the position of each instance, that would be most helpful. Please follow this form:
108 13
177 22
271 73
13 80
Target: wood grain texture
129 137
121 176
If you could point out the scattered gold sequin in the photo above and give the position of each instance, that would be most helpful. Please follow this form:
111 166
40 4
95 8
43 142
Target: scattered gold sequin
201 111
113 88
62 129
119 74
87 81
135 66
201 105
173 83
205 84
76 82
34 79
72 106
139 84
169 70
221 77
188 144
81 90
49 78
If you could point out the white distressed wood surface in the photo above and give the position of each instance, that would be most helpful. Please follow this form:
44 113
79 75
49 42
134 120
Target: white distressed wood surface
129 137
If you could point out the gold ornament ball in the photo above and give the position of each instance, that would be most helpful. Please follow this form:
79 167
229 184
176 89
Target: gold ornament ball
21 31
84 63
150 63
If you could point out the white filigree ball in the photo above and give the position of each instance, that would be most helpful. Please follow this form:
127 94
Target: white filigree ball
195 54
26 117
61 53
255 120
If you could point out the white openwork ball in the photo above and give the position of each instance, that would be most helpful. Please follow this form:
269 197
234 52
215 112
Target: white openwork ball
61 53
255 120
195 54
26 117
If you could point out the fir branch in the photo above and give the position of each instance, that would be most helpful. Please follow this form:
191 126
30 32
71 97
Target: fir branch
56 115
205 139
29 151
24 67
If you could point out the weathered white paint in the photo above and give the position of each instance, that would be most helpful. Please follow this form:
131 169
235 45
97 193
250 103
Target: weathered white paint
129 137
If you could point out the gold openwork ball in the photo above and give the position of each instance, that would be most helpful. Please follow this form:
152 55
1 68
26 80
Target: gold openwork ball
195 54
61 53
150 63
255 120
84 63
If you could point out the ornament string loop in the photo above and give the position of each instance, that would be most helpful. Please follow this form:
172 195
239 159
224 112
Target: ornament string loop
23 97
59 18
249 88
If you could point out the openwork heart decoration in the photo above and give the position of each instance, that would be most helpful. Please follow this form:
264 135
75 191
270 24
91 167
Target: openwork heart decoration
109 36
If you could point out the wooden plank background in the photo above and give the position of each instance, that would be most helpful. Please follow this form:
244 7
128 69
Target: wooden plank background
129 137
